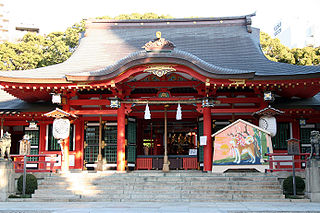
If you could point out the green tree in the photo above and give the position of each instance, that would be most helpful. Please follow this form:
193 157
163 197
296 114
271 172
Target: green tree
274 50
35 51
137 16
306 56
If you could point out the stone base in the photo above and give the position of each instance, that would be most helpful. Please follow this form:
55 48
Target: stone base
313 180
314 197
223 168
6 179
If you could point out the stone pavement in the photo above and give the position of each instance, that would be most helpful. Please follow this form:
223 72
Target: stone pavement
41 207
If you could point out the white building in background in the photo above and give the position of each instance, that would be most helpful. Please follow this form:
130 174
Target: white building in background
9 30
297 32
4 22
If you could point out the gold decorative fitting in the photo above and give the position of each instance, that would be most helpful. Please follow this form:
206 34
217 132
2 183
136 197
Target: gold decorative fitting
159 44
159 70
85 144
237 82
158 34
103 144
113 83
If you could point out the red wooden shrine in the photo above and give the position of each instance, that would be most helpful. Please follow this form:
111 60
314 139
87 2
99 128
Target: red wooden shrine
212 67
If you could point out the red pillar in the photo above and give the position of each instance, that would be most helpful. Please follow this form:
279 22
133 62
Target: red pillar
207 152
65 161
65 144
121 164
42 142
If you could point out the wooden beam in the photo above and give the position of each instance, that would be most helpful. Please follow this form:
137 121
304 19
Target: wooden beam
242 110
161 84
240 100
84 102
94 112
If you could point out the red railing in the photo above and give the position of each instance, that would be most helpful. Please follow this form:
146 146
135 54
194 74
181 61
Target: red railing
283 162
144 163
41 165
190 163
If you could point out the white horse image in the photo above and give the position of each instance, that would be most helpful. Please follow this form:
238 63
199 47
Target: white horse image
5 144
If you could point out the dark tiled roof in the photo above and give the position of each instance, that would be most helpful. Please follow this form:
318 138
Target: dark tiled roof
214 47
9 103
313 102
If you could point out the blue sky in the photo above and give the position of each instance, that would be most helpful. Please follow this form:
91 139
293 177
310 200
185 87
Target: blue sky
59 14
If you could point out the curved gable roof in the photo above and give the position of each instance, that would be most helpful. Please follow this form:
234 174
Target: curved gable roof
215 46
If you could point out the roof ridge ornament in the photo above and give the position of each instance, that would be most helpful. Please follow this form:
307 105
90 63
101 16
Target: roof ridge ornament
159 69
159 44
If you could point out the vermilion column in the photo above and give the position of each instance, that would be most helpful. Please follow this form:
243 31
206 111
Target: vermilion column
207 152
65 161
42 142
121 163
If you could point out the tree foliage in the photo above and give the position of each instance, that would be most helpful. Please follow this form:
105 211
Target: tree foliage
275 51
137 16
34 51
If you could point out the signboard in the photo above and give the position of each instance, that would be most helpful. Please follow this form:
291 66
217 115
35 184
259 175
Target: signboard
293 147
61 128
203 140
192 151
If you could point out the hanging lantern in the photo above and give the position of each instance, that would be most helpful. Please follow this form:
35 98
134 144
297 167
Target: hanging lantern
33 124
114 103
268 96
179 113
56 98
147 114
269 123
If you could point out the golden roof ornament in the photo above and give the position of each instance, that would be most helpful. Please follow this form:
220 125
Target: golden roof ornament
159 44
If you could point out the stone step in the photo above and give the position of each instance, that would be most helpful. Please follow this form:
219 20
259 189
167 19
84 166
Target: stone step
173 178
155 186
154 191
162 186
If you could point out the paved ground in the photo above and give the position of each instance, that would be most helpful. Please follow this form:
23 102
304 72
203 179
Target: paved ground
41 207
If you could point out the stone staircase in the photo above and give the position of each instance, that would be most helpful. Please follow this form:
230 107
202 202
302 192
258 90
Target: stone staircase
156 186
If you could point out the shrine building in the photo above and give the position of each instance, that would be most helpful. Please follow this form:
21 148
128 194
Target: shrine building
141 90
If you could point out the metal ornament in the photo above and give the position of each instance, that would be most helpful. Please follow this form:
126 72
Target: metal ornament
56 98
207 102
159 70
115 103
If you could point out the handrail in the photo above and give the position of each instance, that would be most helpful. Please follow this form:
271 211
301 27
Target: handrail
42 163
275 164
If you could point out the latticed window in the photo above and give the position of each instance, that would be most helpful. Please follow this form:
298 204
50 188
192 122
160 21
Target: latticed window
92 144
110 135
34 142
110 138
53 144
283 134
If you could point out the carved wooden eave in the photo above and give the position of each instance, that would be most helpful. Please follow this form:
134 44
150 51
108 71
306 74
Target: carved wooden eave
59 113
268 111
